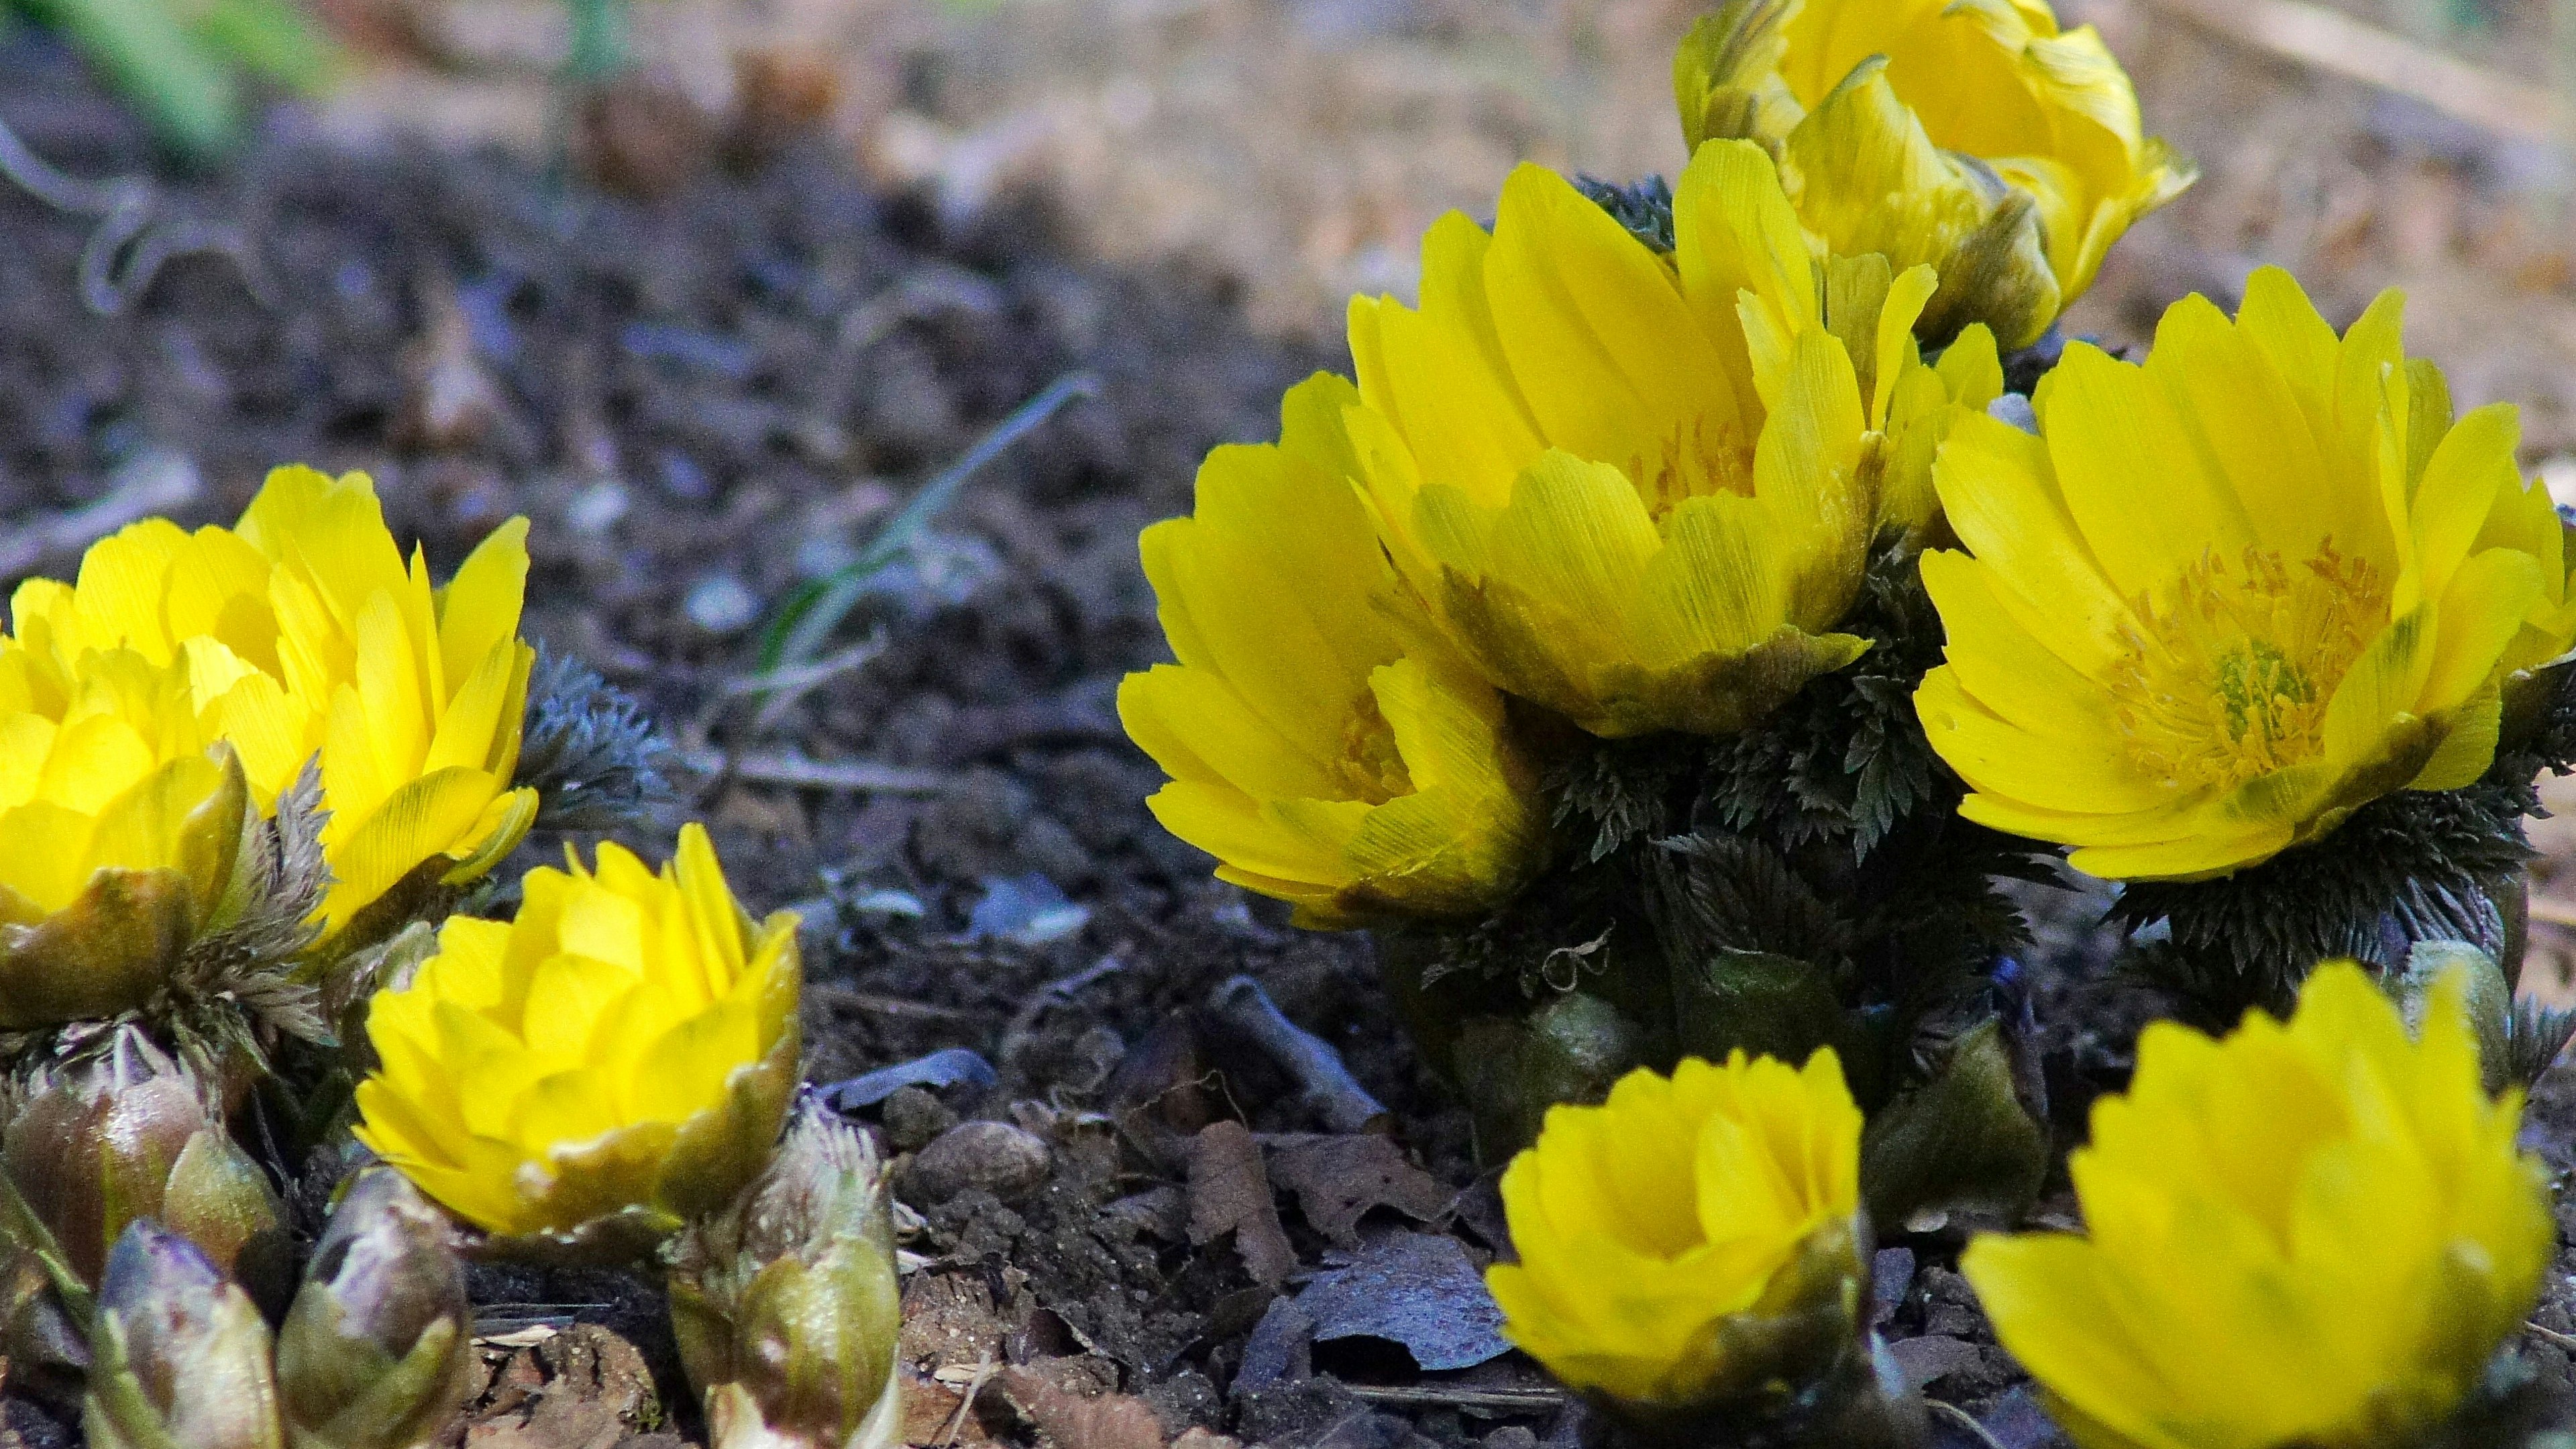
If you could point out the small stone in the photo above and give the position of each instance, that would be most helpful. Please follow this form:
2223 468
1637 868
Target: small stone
596 509
1891 1272
995 1156
1933 1357
914 1118
721 605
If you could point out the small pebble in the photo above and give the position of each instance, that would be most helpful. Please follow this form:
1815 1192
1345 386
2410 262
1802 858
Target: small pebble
995 1156
596 509
914 1118
720 604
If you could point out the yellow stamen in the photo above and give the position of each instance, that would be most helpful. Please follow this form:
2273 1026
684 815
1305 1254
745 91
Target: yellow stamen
1371 764
2227 676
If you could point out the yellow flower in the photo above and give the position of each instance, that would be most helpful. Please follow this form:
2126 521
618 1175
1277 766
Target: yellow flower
1970 134
2224 599
1667 1235
1320 759
1641 489
625 1048
2311 1234
300 630
121 830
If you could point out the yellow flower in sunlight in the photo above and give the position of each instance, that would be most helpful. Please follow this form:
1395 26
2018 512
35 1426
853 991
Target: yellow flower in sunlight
2311 1234
300 630
2223 599
1320 759
623 1050
1974 135
121 831
1641 490
1673 1239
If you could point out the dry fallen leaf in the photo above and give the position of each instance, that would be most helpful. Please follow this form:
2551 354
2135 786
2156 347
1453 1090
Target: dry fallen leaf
1337 1179
1073 1421
1230 1193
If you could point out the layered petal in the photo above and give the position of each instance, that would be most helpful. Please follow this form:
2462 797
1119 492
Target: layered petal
1976 136
626 1046
1637 489
301 631
1321 744
1657 1230
2315 1232
2227 597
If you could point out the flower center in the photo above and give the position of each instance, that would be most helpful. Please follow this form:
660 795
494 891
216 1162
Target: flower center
2226 676
1371 766
1702 456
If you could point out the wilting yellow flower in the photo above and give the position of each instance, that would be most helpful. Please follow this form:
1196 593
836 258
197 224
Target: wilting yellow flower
2310 1234
1671 1238
121 830
1641 489
624 1048
300 630
1320 759
2224 599
1970 134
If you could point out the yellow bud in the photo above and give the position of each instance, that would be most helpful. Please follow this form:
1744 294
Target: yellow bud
1976 137
2312 1232
616 1059
1692 1250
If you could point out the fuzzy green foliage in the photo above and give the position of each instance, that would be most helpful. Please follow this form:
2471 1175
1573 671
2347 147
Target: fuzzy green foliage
1645 207
589 749
1845 759
1805 883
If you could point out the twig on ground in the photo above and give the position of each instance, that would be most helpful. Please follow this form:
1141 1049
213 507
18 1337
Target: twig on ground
1962 1419
1336 1095
2551 1336
791 767
1441 1396
159 487
129 248
2332 41
985 1369
1059 992
842 996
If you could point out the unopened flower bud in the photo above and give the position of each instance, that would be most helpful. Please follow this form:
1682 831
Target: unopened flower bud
126 1133
179 1356
1693 1254
375 1351
785 1302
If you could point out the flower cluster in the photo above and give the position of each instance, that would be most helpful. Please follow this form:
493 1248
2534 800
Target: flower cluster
2315 1232
244 773
1634 490
1703 592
